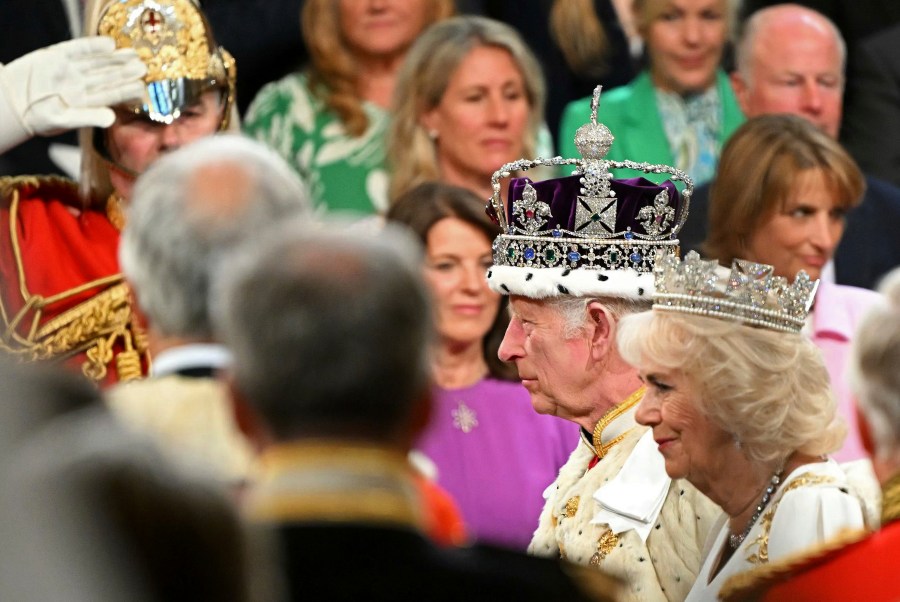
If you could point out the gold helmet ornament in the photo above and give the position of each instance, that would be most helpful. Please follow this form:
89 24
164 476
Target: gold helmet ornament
174 39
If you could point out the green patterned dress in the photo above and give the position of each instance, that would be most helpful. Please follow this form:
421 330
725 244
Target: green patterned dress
343 173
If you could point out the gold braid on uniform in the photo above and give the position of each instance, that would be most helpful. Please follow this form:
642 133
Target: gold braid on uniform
94 326
890 500
600 448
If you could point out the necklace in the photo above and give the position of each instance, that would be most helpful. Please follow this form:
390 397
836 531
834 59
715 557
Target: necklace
735 540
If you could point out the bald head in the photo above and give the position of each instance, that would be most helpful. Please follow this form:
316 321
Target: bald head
790 59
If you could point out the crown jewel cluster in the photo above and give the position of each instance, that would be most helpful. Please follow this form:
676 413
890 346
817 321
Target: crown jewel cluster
748 293
533 237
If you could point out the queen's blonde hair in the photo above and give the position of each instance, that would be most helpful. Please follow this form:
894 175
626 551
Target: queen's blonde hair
421 84
770 390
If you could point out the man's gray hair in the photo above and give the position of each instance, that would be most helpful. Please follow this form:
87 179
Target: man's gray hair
874 376
574 310
330 329
743 49
187 210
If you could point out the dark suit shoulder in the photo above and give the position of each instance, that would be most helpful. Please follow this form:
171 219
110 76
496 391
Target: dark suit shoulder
353 562
869 247
696 228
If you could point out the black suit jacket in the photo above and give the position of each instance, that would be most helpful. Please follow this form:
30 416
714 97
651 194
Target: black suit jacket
870 128
868 250
355 562
29 25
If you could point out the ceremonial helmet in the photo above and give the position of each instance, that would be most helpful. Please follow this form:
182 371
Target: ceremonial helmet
174 40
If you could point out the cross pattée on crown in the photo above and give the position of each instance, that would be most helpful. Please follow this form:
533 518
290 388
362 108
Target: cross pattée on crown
597 206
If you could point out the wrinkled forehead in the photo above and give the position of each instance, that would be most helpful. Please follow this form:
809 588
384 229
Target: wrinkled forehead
534 310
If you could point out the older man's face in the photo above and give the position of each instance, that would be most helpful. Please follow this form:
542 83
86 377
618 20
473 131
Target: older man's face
795 67
554 369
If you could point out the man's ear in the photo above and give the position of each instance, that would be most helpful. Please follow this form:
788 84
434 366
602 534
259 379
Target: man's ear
740 88
603 329
246 418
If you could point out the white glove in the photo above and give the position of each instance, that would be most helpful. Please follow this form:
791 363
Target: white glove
65 86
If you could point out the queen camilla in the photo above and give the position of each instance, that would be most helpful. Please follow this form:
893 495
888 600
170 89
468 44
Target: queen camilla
741 406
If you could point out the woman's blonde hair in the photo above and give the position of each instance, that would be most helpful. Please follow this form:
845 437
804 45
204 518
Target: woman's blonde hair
768 389
333 70
648 11
423 79
576 29
757 172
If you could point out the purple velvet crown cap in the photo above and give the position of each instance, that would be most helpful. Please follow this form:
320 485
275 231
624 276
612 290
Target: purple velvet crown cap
562 195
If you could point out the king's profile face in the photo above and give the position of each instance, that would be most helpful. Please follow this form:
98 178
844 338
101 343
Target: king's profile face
553 367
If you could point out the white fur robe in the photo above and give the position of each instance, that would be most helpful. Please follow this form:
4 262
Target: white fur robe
664 567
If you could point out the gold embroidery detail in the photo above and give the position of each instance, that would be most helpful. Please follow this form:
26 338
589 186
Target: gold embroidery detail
606 544
114 211
93 326
177 46
572 506
600 448
762 540
890 501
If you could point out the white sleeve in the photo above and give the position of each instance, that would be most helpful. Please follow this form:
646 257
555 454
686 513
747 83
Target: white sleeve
808 516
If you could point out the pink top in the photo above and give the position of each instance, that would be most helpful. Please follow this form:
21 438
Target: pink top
836 315
495 455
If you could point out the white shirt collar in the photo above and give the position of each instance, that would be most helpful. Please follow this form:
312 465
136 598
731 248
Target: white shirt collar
195 355
634 498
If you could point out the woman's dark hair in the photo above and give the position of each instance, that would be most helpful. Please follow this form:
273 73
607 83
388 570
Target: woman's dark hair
419 209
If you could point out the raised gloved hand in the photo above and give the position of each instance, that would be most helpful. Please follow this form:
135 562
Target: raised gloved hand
65 86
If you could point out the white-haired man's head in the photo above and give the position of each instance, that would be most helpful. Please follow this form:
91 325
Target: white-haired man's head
189 209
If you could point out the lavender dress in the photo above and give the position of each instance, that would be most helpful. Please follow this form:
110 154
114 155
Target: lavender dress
496 455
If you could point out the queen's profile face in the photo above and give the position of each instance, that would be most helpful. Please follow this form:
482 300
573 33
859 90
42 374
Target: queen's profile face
688 440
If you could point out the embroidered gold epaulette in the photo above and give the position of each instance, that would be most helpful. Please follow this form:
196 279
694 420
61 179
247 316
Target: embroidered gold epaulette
15 186
102 326
750 584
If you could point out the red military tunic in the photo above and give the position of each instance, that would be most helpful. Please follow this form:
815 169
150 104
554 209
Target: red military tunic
61 293
855 567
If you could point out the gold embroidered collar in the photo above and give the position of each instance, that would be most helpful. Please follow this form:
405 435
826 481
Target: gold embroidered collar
614 425
336 483
114 211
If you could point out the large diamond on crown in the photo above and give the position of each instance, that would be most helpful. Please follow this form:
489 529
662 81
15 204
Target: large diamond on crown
750 282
